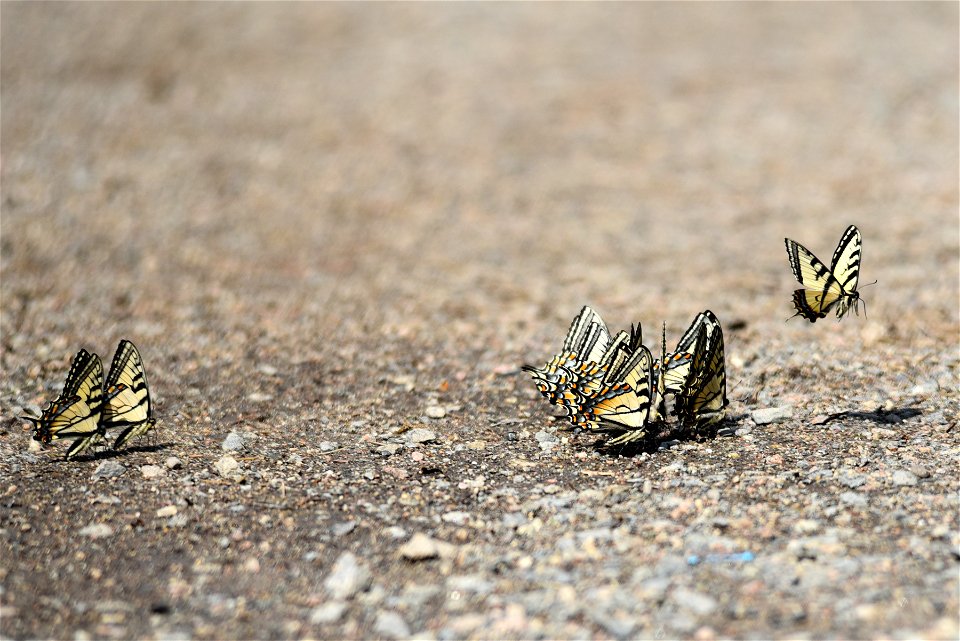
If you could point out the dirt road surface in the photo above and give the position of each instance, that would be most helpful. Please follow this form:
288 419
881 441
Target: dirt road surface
336 231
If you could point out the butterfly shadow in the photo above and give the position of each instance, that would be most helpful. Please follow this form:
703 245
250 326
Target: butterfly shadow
106 455
879 415
667 435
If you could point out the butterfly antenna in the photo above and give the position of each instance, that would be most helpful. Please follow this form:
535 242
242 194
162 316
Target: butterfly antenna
663 346
868 284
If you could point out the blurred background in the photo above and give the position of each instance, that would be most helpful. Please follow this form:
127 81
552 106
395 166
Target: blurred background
228 181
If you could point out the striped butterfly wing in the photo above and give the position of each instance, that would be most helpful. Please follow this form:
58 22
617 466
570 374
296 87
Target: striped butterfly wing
826 287
623 400
76 412
85 380
74 419
64 418
677 364
587 342
127 403
845 266
704 396
588 336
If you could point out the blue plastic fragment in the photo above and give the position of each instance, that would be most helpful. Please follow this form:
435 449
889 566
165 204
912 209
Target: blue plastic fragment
732 557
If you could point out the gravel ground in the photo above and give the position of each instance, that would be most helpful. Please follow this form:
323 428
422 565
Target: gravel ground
336 231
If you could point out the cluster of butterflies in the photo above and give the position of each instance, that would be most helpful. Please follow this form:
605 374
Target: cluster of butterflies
88 406
606 383
612 383
603 382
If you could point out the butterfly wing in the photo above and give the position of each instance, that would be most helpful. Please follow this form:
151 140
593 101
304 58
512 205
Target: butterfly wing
62 418
846 268
704 395
71 418
846 259
823 290
76 412
136 430
127 402
623 400
85 379
676 366
588 336
128 397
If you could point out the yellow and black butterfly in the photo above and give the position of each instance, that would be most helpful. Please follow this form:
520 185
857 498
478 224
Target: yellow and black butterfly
622 400
588 378
76 412
703 397
670 371
127 403
586 342
677 364
826 288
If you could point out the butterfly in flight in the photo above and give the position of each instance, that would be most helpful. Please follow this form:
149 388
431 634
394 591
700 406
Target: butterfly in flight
826 287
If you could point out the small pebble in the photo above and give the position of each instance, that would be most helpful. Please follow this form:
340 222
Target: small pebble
328 446
920 471
769 415
435 411
419 547
807 526
108 470
259 397
388 449
178 520
342 529
329 612
421 435
173 463
853 498
167 511
904 477
151 471
474 583
698 603
347 577
456 517
391 625
97 531
227 465
233 442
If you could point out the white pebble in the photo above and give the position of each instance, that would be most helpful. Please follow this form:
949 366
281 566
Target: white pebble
166 511
435 411
97 531
227 465
151 471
